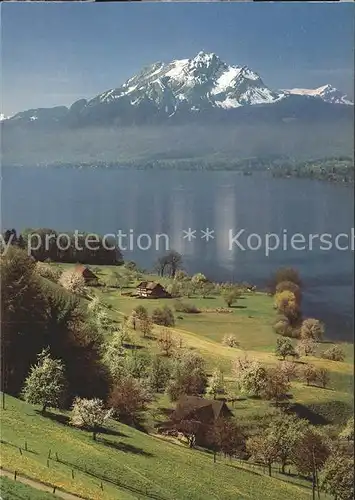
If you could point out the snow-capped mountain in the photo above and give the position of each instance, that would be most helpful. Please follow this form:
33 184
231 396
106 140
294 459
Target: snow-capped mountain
327 93
185 90
197 83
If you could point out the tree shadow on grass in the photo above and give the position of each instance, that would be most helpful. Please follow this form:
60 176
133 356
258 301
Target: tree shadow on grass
125 447
304 412
238 307
65 420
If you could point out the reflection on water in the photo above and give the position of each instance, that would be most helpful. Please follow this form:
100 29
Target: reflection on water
154 202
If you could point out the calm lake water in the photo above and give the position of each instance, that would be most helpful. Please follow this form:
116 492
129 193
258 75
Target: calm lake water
154 202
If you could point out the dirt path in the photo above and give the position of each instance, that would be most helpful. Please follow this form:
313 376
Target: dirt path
39 486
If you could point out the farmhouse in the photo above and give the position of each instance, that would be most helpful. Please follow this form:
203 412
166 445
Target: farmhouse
150 289
89 277
196 413
203 410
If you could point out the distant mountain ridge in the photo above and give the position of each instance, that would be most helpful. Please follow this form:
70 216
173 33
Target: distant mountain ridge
164 92
199 108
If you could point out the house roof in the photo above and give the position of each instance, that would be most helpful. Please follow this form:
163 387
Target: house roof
192 404
80 268
150 285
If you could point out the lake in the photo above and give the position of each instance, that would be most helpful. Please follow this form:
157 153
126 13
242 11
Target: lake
144 203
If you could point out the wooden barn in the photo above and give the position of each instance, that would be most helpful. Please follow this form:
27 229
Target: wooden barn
201 409
152 290
89 277
196 412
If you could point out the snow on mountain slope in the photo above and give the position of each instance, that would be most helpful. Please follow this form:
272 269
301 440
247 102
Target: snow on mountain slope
327 93
198 83
181 87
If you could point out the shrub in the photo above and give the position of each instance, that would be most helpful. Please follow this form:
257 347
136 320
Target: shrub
128 398
310 374
290 287
334 353
230 340
283 327
163 316
72 281
312 329
185 307
166 342
284 348
47 271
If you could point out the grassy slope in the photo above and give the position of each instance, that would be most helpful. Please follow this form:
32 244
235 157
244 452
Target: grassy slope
12 490
157 468
251 322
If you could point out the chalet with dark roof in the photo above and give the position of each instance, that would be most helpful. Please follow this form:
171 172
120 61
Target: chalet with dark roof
152 290
204 410
193 412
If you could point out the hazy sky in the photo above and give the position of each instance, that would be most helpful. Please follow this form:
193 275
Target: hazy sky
54 54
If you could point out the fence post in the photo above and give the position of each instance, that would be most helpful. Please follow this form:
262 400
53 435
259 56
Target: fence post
56 456
54 488
72 474
15 475
47 462
49 453
26 445
20 450
101 486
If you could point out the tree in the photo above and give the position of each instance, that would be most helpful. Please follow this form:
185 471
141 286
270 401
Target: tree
128 398
263 449
217 385
284 431
284 348
23 316
175 289
47 271
310 452
334 353
286 304
141 313
226 436
323 377
166 342
159 373
189 428
120 279
289 368
337 476
348 431
287 274
230 340
145 326
163 316
312 329
113 356
290 287
95 306
46 382
198 279
231 295
284 328
204 288
188 375
276 385
137 363
310 374
72 281
181 275
170 263
306 347
250 376
89 413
